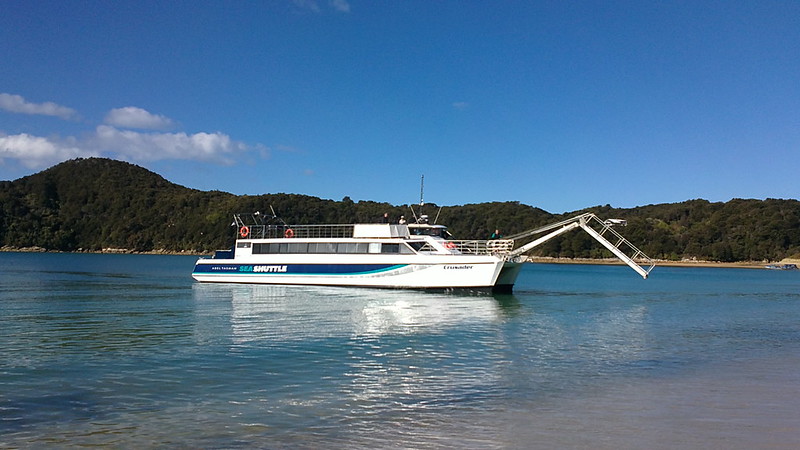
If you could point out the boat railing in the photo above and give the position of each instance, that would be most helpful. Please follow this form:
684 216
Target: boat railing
295 231
265 226
485 247
474 247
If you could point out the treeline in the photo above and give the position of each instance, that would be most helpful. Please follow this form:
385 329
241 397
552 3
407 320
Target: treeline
94 204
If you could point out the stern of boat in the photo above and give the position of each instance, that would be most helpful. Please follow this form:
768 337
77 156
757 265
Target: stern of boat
507 278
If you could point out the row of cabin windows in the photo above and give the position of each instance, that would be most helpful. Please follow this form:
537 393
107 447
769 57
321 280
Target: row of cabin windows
330 247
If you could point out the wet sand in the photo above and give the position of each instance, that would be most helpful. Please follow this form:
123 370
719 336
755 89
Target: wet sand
744 404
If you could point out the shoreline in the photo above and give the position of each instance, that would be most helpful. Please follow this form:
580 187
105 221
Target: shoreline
530 259
658 263
106 251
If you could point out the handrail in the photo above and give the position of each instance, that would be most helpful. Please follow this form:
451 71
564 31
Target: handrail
472 247
637 260
548 227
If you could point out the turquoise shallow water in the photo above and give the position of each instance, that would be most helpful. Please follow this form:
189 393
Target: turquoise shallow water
126 350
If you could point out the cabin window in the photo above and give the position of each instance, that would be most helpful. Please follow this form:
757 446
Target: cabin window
390 248
297 248
417 245
438 232
242 245
322 247
432 231
352 247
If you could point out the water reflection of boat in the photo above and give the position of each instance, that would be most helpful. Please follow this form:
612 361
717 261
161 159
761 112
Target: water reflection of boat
402 352
275 312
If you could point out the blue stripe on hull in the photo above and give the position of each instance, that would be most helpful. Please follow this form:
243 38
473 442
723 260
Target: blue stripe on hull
295 269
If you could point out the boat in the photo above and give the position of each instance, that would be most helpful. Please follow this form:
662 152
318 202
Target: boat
781 266
417 255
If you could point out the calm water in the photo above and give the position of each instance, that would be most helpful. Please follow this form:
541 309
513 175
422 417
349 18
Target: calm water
122 351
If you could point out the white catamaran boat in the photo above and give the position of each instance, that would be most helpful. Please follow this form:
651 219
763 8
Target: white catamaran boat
417 255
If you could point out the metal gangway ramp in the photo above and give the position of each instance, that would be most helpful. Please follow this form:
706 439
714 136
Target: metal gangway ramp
602 231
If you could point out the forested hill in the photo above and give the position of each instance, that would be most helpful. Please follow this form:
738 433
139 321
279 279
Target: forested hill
94 204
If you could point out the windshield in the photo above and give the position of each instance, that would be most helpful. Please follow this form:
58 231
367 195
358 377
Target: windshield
428 230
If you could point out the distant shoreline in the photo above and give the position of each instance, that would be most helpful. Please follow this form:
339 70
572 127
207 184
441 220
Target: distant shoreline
661 263
531 259
105 251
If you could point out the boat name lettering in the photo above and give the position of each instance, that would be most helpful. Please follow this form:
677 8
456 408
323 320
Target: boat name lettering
263 269
457 267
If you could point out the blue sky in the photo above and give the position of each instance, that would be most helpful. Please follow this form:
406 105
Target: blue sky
557 104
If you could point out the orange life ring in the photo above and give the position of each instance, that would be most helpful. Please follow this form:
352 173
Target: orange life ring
289 233
450 245
244 231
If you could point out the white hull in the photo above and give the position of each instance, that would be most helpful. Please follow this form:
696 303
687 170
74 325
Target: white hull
398 271
508 276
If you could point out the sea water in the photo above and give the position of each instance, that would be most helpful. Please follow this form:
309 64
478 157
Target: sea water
128 351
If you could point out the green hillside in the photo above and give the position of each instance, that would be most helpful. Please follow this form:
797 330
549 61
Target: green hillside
94 204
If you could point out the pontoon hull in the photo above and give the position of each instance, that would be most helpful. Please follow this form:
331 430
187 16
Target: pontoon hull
507 278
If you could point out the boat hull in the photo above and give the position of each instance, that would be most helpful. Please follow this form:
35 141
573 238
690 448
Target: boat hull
429 272
507 277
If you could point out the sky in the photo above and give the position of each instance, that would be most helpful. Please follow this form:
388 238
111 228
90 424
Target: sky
561 105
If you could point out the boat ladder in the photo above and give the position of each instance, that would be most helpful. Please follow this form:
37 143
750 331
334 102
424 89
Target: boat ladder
601 231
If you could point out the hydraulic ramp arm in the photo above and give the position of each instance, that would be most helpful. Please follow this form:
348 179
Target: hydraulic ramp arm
601 231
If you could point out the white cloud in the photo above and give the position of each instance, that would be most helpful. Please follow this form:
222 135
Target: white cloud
133 117
113 140
341 5
212 147
18 104
312 5
37 152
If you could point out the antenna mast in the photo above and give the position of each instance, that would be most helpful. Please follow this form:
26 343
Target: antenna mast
421 190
